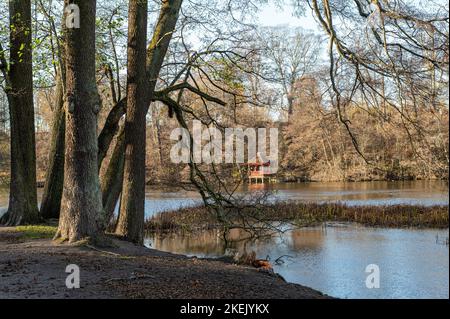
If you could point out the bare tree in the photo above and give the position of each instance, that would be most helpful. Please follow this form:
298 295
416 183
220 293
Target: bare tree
290 54
396 41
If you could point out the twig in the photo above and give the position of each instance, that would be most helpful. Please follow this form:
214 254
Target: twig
279 260
133 277
104 251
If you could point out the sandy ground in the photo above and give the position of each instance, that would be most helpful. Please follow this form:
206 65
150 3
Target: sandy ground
36 269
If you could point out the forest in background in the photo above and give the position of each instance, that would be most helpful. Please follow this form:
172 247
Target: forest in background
284 84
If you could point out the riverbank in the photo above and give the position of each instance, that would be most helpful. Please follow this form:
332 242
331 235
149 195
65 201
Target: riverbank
303 215
35 268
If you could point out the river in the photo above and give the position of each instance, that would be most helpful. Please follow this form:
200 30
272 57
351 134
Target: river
364 193
333 259
425 193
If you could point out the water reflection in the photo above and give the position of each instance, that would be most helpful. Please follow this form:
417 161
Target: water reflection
334 259
364 193
426 193
378 193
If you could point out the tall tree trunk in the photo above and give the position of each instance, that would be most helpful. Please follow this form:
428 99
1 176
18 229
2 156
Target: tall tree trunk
51 198
131 217
23 196
81 205
155 56
54 180
157 133
110 129
111 181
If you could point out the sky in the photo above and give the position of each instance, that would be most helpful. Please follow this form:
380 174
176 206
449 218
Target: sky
272 15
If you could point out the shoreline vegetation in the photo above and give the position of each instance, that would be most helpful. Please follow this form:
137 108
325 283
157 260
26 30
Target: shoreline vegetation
283 179
171 185
303 215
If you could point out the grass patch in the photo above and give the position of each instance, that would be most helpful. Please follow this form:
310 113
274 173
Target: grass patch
37 232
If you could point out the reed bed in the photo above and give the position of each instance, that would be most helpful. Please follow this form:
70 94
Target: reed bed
304 215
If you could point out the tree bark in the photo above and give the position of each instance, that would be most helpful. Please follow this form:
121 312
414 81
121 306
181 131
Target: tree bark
54 180
157 134
23 195
155 56
131 217
51 198
81 205
110 129
111 181
162 36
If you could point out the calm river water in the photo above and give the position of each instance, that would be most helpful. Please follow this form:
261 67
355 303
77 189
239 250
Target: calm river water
426 193
366 193
333 259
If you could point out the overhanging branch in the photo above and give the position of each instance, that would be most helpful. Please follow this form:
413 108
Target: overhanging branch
187 86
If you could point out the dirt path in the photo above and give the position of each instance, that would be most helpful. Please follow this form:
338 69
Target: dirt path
36 269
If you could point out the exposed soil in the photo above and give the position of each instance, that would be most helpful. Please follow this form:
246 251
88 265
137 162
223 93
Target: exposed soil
36 269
